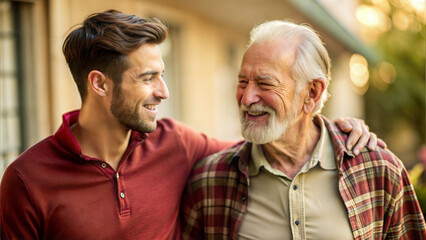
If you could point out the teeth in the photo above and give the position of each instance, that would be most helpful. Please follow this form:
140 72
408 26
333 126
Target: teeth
151 107
256 113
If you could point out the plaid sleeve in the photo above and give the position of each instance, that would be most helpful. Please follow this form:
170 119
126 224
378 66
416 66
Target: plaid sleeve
407 220
191 215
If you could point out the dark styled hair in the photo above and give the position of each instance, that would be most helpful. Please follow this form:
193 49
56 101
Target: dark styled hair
103 42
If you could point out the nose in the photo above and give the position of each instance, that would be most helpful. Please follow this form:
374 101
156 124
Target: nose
250 94
162 90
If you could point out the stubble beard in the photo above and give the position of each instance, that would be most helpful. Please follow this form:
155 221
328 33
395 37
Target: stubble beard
130 116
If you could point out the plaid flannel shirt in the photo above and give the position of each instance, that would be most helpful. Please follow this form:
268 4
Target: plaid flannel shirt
374 187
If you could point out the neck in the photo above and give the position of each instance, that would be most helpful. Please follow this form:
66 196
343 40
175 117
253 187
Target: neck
295 148
100 135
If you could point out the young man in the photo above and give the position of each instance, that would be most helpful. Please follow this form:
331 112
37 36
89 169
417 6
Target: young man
294 178
111 171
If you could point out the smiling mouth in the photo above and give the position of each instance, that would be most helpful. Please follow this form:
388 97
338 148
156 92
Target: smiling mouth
255 113
151 107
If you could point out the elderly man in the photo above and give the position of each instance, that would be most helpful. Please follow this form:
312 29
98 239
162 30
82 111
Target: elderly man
294 178
111 171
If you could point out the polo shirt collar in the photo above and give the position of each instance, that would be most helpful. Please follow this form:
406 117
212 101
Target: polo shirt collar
64 136
66 139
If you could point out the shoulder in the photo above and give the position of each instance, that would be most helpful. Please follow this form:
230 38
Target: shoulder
375 170
168 124
218 171
35 154
28 165
220 164
173 127
378 156
377 160
221 159
168 131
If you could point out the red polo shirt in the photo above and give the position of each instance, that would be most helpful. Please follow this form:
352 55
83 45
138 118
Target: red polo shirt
53 191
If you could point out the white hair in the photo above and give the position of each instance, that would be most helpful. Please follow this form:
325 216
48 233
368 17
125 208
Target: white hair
312 60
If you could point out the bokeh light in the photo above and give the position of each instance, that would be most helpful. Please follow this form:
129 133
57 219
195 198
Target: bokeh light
387 72
359 74
372 17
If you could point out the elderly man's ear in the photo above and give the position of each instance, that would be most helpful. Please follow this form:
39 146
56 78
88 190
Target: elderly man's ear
315 91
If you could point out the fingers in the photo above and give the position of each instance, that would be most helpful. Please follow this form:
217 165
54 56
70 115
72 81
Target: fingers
343 124
372 143
375 141
355 133
381 143
359 136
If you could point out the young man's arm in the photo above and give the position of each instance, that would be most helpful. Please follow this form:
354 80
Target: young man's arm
359 137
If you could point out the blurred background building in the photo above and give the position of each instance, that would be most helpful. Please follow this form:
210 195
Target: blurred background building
377 48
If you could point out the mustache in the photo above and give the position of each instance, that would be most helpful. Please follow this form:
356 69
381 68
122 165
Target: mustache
257 108
152 101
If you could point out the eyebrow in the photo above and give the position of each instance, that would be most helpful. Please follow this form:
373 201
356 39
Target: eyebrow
149 73
264 77
260 77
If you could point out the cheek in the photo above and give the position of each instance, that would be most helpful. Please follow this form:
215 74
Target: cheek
279 100
239 95
140 93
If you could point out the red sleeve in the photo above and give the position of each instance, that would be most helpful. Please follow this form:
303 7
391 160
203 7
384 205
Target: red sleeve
198 145
19 219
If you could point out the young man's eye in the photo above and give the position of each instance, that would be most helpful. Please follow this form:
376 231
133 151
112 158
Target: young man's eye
148 78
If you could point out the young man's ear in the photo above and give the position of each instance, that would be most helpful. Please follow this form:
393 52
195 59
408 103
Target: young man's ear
98 83
315 90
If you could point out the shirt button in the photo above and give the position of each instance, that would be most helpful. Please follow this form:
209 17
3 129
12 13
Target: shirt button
295 187
103 165
243 198
297 222
122 195
117 175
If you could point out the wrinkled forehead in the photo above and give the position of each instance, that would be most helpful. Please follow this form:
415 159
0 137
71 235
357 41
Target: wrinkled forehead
276 53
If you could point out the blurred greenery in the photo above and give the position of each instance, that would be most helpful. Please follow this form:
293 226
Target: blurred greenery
417 177
400 99
395 100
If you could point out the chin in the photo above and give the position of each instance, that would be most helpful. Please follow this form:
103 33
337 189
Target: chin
143 126
256 134
264 133
149 127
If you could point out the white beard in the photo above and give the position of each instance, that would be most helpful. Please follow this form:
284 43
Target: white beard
274 129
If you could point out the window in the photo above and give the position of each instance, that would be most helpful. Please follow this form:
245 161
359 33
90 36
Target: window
11 136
